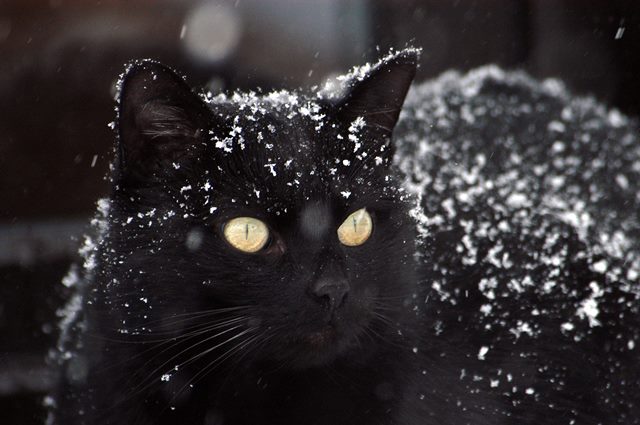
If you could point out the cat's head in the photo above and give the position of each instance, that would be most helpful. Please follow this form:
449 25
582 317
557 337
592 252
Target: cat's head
281 212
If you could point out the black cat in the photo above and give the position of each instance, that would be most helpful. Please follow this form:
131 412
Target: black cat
266 259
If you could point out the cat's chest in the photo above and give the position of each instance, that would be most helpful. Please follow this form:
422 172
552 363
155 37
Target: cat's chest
328 395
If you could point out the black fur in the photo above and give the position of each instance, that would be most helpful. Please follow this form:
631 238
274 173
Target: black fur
171 325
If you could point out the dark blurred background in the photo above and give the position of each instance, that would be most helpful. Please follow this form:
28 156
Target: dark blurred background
59 60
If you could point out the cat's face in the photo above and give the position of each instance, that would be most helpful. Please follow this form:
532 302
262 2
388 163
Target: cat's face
282 209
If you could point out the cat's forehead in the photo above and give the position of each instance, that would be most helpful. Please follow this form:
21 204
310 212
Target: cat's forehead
284 148
280 123
274 135
278 106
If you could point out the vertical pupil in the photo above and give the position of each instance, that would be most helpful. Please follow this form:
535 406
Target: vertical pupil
246 232
355 225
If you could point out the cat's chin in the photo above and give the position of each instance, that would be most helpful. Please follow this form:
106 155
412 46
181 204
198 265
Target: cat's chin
319 347
322 338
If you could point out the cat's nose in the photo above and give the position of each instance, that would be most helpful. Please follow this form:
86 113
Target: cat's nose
331 291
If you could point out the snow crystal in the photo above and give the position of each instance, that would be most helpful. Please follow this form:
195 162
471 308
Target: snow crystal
567 326
49 401
72 278
622 181
600 266
556 126
354 129
486 309
448 205
589 307
616 119
522 328
272 168
517 200
487 286
482 352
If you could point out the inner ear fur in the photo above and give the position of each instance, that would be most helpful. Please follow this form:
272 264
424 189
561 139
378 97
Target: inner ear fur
159 117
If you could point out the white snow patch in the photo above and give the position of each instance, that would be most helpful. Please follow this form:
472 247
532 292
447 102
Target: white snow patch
483 352
272 169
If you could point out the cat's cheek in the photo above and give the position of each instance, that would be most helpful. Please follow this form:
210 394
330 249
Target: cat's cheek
369 293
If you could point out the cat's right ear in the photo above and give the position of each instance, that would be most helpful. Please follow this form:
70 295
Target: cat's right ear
159 119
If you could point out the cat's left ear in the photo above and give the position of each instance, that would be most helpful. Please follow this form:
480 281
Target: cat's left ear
378 96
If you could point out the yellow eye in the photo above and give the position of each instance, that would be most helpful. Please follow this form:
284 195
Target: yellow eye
356 229
246 234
